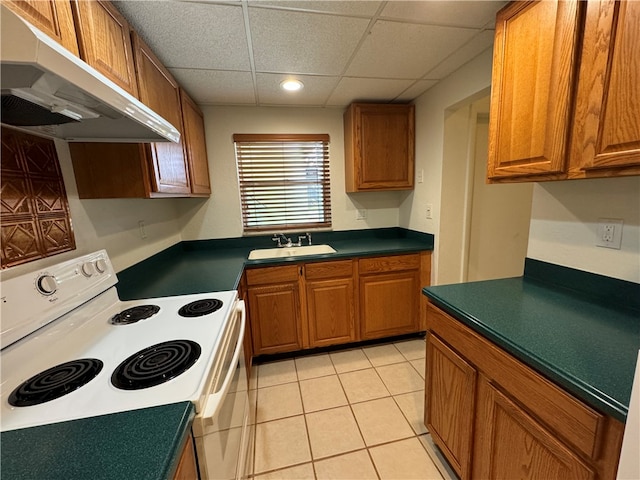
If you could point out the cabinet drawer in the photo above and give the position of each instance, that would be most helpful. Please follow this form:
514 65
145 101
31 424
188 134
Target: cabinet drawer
316 271
269 275
386 264
569 418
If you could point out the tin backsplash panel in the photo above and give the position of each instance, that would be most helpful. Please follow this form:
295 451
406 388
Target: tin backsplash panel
34 211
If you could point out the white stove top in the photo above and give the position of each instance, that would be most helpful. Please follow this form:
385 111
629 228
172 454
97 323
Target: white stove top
86 332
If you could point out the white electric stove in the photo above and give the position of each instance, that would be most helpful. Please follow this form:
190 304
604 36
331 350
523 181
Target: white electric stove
82 352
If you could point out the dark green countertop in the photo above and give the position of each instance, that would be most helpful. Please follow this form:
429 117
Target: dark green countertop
580 339
136 445
216 265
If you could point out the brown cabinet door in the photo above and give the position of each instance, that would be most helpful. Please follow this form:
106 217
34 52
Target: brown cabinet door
160 92
512 444
389 304
607 126
196 147
450 384
331 311
275 318
535 53
379 147
53 17
105 43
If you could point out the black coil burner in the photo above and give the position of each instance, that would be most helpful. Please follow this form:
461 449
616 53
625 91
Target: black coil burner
156 364
134 314
55 382
200 307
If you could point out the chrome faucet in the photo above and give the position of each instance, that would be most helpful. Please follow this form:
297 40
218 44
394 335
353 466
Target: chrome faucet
278 237
285 242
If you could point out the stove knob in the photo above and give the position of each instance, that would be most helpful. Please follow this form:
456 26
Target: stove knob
101 265
47 284
88 269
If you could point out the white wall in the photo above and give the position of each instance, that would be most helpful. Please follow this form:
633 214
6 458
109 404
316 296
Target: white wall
564 218
220 215
111 224
463 86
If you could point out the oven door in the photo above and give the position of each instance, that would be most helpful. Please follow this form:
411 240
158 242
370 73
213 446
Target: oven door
221 429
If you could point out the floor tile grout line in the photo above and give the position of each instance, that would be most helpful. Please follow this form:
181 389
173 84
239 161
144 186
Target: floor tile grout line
349 404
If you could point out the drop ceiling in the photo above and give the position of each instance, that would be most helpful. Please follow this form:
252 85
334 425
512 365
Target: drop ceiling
238 52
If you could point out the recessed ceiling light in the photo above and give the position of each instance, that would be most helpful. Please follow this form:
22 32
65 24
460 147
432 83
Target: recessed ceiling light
291 85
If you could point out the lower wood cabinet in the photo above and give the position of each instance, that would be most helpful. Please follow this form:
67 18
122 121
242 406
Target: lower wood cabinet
274 307
451 382
389 295
187 469
511 442
330 298
494 417
318 304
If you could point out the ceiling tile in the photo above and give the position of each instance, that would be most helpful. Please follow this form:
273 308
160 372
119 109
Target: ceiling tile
399 50
294 42
212 87
366 90
470 50
415 90
191 35
454 13
361 7
315 91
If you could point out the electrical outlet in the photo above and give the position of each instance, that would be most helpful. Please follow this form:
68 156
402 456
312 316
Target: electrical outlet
609 233
429 210
361 214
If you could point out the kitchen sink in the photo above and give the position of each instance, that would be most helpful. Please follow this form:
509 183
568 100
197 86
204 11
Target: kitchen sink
282 252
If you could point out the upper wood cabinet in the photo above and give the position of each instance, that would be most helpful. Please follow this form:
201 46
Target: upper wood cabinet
195 146
565 98
160 92
53 17
379 141
533 68
606 136
104 42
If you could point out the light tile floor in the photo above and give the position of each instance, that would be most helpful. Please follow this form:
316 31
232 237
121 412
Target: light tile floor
352 414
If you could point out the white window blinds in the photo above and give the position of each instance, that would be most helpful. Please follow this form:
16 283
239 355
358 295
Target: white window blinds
284 181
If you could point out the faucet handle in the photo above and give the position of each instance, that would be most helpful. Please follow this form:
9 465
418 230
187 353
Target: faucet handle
276 238
309 237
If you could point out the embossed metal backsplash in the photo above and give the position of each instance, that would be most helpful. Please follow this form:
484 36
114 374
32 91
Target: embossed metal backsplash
34 211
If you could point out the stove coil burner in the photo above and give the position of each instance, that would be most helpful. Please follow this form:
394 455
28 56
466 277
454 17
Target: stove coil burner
155 365
200 307
134 314
55 382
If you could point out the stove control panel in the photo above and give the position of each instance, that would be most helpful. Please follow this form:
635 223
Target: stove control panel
32 300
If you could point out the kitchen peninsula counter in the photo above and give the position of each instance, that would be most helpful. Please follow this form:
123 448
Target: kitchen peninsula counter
140 444
578 329
216 265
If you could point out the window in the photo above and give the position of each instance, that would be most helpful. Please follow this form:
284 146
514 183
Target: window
284 181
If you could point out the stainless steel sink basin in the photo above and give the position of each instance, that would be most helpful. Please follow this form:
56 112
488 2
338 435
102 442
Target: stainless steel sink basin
282 252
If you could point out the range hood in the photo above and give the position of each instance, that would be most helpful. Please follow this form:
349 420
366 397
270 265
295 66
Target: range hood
49 91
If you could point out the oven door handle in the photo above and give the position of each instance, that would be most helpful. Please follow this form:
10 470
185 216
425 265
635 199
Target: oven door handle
214 399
